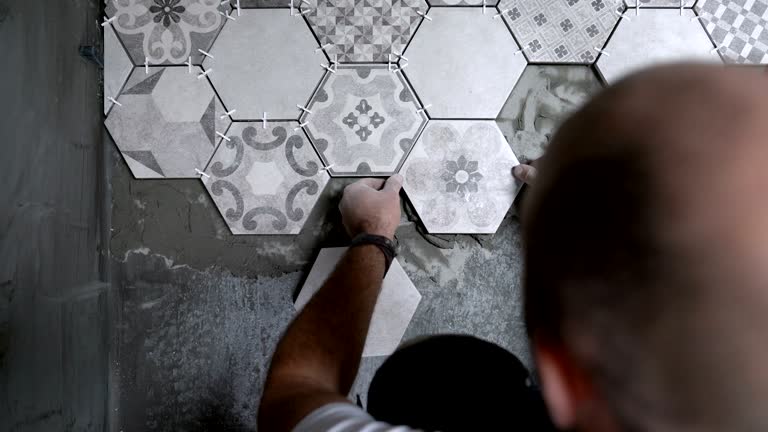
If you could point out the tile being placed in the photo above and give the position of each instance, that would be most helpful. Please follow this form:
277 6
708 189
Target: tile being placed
265 180
562 31
363 31
394 308
364 120
459 177
265 62
117 66
463 64
166 123
543 98
666 37
166 31
740 28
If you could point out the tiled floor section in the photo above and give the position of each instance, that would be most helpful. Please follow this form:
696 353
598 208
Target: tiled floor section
459 177
265 180
167 124
543 98
463 64
394 308
667 37
265 62
740 27
166 31
561 31
364 30
364 120
117 66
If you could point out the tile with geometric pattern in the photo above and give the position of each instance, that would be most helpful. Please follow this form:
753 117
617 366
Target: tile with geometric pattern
117 66
739 28
265 180
363 31
561 31
166 122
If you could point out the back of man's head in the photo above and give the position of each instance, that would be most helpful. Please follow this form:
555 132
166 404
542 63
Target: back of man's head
646 239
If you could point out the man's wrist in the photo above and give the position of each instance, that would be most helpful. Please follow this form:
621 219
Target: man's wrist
387 246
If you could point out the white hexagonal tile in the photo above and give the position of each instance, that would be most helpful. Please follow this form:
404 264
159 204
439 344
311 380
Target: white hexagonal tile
562 31
740 28
394 308
170 143
364 120
265 180
660 3
463 63
459 177
653 37
117 66
265 61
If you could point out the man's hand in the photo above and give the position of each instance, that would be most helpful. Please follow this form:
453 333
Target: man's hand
525 173
372 206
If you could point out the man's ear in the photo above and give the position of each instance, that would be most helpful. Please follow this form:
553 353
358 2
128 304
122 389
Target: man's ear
562 382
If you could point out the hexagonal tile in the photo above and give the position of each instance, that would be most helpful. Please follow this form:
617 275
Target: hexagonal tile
265 62
246 4
117 66
463 63
363 30
265 180
562 31
660 3
739 28
543 98
489 3
394 308
459 177
667 37
166 31
363 120
167 122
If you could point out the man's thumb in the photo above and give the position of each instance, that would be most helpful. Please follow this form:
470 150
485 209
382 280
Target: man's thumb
393 184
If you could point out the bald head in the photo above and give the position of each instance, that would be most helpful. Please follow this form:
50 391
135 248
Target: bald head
647 247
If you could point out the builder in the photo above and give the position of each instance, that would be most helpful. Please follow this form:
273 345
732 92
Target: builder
646 282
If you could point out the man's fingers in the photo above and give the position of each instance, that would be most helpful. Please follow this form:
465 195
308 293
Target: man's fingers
373 183
525 173
393 184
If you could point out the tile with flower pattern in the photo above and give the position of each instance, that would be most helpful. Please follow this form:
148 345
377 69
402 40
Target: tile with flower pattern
459 177
363 120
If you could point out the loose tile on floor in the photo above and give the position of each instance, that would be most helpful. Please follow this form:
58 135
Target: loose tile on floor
739 27
459 177
666 37
265 62
363 120
543 98
117 66
166 123
463 64
166 31
394 308
562 31
265 180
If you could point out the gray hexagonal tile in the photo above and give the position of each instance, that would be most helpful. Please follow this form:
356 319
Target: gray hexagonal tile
660 3
166 123
394 308
459 177
363 30
117 66
739 28
543 98
463 64
265 180
488 3
562 31
667 37
166 31
265 61
364 120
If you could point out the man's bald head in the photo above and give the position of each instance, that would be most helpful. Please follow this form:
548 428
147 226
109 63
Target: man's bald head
647 247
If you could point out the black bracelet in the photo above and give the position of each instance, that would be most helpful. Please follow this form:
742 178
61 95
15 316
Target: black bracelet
385 245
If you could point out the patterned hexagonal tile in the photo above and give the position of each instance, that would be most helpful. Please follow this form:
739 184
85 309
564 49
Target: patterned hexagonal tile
394 308
363 31
265 180
543 98
463 64
117 66
166 123
265 61
668 36
459 177
167 31
562 31
740 28
364 120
